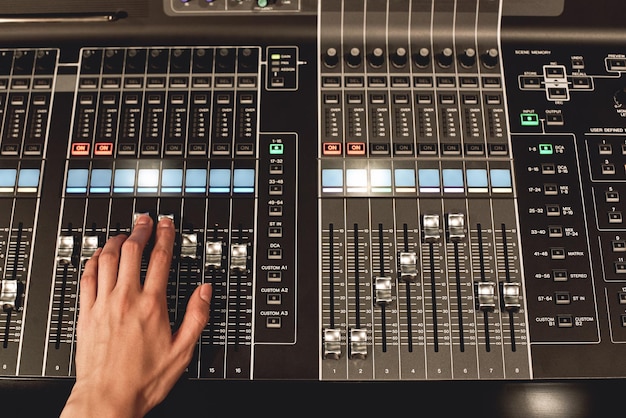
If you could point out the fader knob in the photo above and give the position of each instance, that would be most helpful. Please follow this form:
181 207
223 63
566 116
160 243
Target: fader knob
331 58
377 58
399 58
490 58
422 58
468 58
354 57
445 58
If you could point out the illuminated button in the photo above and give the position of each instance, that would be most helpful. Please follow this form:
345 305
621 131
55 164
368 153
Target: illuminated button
529 119
7 180
546 149
124 180
620 267
103 148
452 180
555 231
477 181
277 149
80 148
219 180
273 321
77 179
428 179
605 149
355 148
331 148
332 180
621 296
501 180
380 180
100 180
404 179
195 180
28 180
356 180
608 169
148 180
550 189
243 180
172 180
557 253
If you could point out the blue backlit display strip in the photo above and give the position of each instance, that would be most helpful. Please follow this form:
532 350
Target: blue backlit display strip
243 180
195 180
172 180
219 180
8 176
100 180
28 180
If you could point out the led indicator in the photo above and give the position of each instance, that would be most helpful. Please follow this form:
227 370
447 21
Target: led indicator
275 57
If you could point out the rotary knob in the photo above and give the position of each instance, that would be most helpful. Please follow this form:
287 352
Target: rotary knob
490 58
619 98
377 58
468 58
399 57
445 58
422 58
354 58
331 58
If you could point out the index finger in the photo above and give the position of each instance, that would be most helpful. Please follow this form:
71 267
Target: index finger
160 258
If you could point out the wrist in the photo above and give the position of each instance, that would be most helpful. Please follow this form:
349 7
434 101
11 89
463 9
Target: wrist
98 402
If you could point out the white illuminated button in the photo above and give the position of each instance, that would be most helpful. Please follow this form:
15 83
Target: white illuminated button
511 296
430 225
358 343
456 226
238 257
486 296
356 180
408 266
213 254
380 179
148 180
65 245
383 291
332 343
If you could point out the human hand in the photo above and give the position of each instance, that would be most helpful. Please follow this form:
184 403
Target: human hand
127 358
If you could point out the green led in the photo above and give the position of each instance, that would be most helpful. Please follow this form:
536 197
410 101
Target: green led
529 119
275 57
276 149
546 149
262 3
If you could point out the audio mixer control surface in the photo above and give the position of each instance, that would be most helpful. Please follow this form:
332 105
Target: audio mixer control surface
377 190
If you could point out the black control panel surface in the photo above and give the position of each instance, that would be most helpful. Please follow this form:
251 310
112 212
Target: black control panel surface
379 191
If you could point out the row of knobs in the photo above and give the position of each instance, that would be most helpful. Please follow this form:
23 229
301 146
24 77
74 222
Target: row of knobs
422 59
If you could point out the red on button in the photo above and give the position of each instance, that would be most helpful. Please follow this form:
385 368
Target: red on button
355 148
80 148
332 148
103 148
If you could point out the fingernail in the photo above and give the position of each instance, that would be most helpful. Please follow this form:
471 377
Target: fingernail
142 220
205 293
165 222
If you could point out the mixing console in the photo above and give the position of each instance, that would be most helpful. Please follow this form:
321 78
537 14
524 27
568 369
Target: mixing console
377 190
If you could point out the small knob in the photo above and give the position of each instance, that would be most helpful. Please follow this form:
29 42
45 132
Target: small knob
490 58
619 98
331 58
399 57
422 58
468 58
354 57
377 58
445 58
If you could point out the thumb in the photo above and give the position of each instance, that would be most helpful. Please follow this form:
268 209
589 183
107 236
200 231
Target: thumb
195 319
